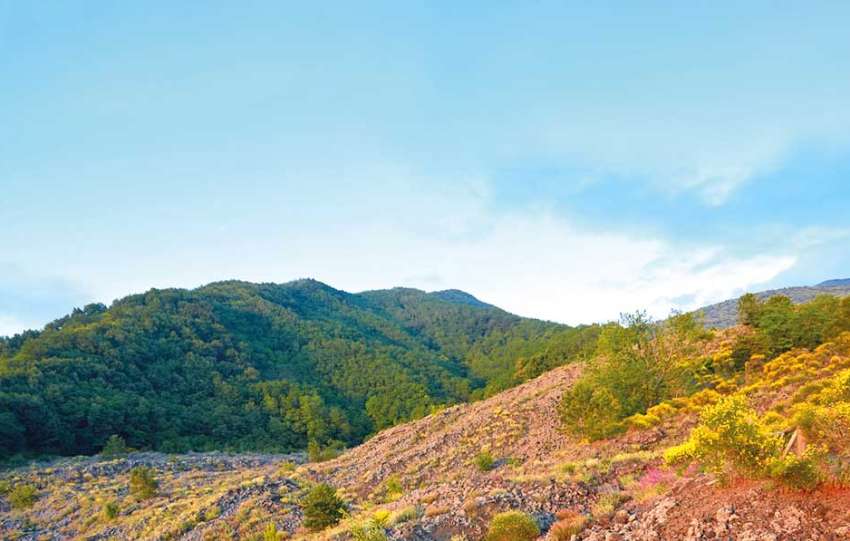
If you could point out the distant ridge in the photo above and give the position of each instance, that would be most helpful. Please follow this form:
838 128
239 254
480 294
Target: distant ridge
725 314
833 283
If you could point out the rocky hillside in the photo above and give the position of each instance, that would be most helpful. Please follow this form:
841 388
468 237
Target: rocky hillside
725 314
742 433
443 477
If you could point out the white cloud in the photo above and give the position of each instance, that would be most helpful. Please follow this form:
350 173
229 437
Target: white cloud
532 262
813 236
405 232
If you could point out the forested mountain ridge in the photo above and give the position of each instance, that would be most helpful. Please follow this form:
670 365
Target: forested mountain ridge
236 365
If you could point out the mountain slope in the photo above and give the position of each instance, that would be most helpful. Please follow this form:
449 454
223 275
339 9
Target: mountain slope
424 475
725 314
748 440
235 365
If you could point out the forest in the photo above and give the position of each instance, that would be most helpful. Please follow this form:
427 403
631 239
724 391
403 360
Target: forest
273 367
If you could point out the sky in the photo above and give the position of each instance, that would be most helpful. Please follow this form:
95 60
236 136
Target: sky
563 160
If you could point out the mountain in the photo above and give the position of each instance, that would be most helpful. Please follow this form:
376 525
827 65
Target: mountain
447 476
838 282
243 366
725 314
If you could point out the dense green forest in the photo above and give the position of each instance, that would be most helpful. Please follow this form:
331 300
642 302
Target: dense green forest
242 366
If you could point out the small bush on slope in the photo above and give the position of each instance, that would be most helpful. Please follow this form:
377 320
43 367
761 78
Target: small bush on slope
367 531
569 524
22 496
484 461
322 507
512 526
110 510
143 485
801 472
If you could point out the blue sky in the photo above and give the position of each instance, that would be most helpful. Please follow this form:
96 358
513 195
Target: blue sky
564 160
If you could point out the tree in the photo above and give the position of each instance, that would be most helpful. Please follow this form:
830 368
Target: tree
322 507
115 446
748 309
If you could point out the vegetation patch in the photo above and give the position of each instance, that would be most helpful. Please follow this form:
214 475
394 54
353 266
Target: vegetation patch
512 526
322 507
143 484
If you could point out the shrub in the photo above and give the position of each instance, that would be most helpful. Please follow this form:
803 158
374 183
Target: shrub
212 513
568 525
286 467
143 484
322 507
393 489
110 510
22 496
115 446
801 472
484 461
317 453
662 411
640 421
5 487
436 510
706 397
381 518
271 533
729 438
590 411
607 504
407 514
512 526
367 531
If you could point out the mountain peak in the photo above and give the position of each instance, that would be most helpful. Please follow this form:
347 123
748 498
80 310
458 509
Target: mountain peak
460 297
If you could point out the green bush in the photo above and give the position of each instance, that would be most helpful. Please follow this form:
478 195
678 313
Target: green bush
512 526
367 531
407 514
484 461
801 472
393 489
22 496
115 446
318 453
110 510
322 507
588 410
143 484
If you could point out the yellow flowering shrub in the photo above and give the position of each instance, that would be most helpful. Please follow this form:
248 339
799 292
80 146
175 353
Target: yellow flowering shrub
730 438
